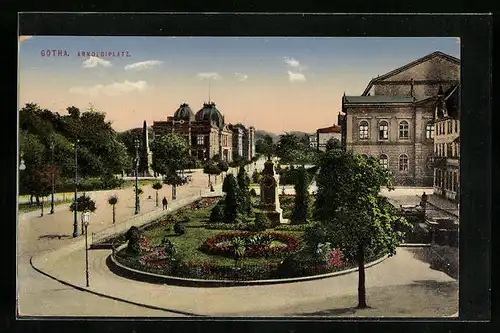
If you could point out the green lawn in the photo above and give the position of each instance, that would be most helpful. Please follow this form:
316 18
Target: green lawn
189 243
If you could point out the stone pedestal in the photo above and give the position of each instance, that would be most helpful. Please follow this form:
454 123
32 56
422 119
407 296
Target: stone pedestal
269 197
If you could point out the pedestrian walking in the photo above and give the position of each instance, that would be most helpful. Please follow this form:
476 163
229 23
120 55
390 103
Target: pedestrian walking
165 203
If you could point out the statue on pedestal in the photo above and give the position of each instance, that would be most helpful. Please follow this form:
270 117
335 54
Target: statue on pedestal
270 204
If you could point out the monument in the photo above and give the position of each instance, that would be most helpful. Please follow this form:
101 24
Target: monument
269 197
146 155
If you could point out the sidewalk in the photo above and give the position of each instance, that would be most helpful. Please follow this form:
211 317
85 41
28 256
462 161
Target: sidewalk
443 205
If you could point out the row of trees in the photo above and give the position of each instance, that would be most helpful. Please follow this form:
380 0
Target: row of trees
47 144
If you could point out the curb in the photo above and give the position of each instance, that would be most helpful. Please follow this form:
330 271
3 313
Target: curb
111 297
137 275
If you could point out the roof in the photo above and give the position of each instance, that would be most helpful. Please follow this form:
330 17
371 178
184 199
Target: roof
184 112
331 129
377 99
409 65
210 112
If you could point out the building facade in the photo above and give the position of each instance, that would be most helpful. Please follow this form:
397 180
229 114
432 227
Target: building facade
249 143
205 131
447 144
393 120
325 134
313 140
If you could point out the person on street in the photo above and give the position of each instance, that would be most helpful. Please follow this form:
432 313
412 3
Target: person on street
165 203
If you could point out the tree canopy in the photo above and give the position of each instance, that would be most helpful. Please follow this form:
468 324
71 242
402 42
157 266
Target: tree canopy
170 154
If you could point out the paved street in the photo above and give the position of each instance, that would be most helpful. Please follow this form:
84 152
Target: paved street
41 295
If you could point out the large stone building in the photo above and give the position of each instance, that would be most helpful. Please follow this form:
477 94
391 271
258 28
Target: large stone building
447 144
393 120
207 133
249 143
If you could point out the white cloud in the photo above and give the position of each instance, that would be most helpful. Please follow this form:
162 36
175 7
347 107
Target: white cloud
211 76
296 77
241 77
96 61
112 89
143 65
292 62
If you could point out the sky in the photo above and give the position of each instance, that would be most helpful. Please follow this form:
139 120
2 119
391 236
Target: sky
272 83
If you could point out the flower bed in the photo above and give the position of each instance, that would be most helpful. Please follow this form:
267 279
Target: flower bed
204 203
256 244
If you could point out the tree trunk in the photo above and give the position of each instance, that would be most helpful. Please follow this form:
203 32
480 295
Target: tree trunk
361 281
156 198
114 214
173 192
37 200
42 209
31 199
209 181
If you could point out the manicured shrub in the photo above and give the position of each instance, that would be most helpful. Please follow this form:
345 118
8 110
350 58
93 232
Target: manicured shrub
301 207
133 236
179 229
231 201
261 222
170 249
217 213
253 193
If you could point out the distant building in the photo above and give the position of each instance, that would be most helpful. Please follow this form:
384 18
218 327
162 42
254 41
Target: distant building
206 132
393 120
447 143
238 134
327 133
313 140
249 143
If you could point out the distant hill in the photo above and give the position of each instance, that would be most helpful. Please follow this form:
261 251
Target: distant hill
259 134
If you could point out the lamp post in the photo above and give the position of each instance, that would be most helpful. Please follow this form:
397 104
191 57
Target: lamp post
85 222
22 166
53 183
137 207
75 219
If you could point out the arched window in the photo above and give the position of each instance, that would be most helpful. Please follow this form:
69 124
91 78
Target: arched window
384 161
383 130
404 130
429 131
403 162
363 130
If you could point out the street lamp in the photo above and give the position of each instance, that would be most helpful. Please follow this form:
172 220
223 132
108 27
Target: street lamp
137 207
75 220
53 183
22 166
86 222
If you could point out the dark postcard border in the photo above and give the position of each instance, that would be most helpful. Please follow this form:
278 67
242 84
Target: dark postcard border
475 34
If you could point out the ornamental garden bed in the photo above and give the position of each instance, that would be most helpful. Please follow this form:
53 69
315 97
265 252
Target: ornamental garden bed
204 253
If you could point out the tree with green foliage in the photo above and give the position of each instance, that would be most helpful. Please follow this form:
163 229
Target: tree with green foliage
170 153
157 186
223 167
133 237
211 169
333 143
245 203
113 200
349 208
231 200
301 207
265 146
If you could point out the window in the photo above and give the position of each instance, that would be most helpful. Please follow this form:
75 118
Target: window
384 161
429 131
201 139
450 127
403 162
403 130
456 126
441 127
383 128
455 181
363 130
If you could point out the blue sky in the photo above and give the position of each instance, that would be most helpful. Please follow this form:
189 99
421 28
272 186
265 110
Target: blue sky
284 74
